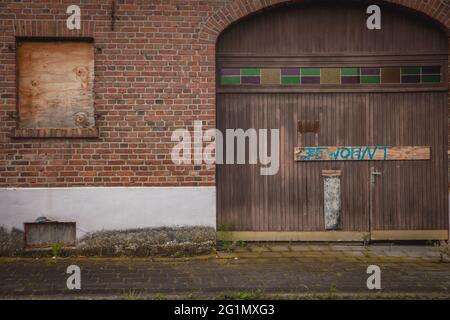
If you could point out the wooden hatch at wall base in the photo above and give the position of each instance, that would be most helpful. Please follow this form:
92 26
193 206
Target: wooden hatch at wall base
336 89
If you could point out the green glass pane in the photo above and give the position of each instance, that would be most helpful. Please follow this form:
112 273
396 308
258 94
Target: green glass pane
370 79
350 71
310 71
410 70
250 72
431 79
231 80
290 80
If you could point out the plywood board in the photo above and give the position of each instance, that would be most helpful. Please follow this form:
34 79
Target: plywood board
362 153
55 84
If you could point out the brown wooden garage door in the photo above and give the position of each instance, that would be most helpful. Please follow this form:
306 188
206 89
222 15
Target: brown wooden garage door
293 66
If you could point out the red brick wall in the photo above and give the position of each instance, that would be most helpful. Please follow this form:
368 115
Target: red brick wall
154 73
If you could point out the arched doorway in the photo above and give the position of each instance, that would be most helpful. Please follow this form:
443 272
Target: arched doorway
329 84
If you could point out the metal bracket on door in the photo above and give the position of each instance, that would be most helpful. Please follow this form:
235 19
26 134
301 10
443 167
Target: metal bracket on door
373 174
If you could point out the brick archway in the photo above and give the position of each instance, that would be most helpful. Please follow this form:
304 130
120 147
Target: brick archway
238 9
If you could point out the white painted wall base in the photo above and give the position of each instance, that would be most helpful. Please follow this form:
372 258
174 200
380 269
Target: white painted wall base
110 208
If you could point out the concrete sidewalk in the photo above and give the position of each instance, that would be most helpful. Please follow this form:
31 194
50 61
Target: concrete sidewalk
253 250
338 271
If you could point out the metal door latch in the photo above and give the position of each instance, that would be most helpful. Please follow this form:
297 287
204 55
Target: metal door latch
373 174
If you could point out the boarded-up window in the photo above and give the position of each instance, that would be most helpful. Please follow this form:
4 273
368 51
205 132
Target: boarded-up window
55 89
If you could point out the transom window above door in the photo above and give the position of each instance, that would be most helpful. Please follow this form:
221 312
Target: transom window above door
299 76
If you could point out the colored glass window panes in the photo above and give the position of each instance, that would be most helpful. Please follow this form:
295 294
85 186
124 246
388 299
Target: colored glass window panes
299 76
370 71
310 72
351 80
370 79
250 80
250 72
227 80
431 70
290 80
431 78
411 79
290 71
410 70
431 74
330 76
310 80
231 72
350 71
270 76
390 75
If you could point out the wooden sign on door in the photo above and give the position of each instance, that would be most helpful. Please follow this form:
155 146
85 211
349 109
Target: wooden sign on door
362 153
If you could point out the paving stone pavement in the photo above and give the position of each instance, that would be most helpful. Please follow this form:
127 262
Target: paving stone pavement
296 272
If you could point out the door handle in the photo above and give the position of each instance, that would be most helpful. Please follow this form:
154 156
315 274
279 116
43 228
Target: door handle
376 173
